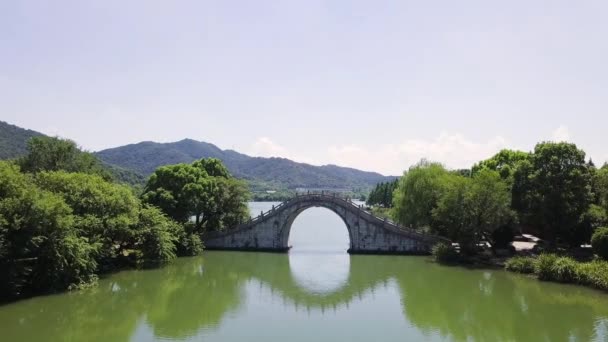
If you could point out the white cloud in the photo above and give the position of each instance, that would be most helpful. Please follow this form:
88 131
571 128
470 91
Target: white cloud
562 133
265 147
453 150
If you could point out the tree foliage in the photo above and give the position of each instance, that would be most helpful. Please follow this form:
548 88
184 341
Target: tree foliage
382 194
472 209
105 213
54 154
599 241
157 236
504 162
39 250
418 192
600 184
552 190
203 190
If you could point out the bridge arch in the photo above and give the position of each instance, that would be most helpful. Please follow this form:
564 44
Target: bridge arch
367 233
286 228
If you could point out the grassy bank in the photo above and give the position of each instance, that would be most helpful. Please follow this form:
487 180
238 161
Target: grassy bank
562 269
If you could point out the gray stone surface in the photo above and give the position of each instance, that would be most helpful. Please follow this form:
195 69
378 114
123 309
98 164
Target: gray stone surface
368 233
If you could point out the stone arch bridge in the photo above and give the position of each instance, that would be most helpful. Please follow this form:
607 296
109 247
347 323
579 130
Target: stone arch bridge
367 233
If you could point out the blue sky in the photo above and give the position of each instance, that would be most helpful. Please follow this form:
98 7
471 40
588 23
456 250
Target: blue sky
375 85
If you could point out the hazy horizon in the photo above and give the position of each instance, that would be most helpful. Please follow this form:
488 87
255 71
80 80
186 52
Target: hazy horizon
370 85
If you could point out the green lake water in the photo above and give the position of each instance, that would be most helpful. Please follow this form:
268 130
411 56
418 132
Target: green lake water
317 292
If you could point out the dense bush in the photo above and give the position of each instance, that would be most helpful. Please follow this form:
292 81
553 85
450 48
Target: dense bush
39 248
519 264
544 266
551 267
594 274
190 244
445 253
599 241
564 270
158 235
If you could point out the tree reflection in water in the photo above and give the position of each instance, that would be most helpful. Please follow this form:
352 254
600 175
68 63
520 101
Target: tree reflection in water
194 297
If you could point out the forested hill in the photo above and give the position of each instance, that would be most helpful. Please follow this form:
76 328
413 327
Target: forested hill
13 140
13 144
132 163
145 157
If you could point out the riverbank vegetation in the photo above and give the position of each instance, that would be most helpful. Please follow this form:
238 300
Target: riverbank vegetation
563 269
64 220
553 192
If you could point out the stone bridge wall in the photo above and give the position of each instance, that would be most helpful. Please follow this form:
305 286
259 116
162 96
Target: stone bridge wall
368 233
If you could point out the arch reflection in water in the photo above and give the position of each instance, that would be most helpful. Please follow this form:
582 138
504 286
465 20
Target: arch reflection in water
320 272
318 260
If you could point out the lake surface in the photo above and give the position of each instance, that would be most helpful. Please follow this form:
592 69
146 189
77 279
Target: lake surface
317 292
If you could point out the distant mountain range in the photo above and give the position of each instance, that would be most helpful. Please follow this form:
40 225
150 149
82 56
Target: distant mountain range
143 158
146 156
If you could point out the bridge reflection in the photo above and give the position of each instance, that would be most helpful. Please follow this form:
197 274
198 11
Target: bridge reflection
196 295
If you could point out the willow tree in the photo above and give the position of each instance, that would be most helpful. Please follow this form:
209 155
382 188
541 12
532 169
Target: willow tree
418 192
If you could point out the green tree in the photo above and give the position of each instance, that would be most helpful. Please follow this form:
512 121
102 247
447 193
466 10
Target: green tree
472 209
382 194
601 187
552 190
418 192
105 212
231 198
213 167
452 215
504 162
180 190
54 154
157 235
183 191
39 247
59 229
599 241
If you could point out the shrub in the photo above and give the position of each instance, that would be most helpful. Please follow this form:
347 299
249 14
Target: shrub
518 264
189 245
158 235
445 253
594 274
564 270
544 266
599 241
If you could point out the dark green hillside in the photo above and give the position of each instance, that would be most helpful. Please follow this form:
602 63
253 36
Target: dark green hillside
13 140
13 144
